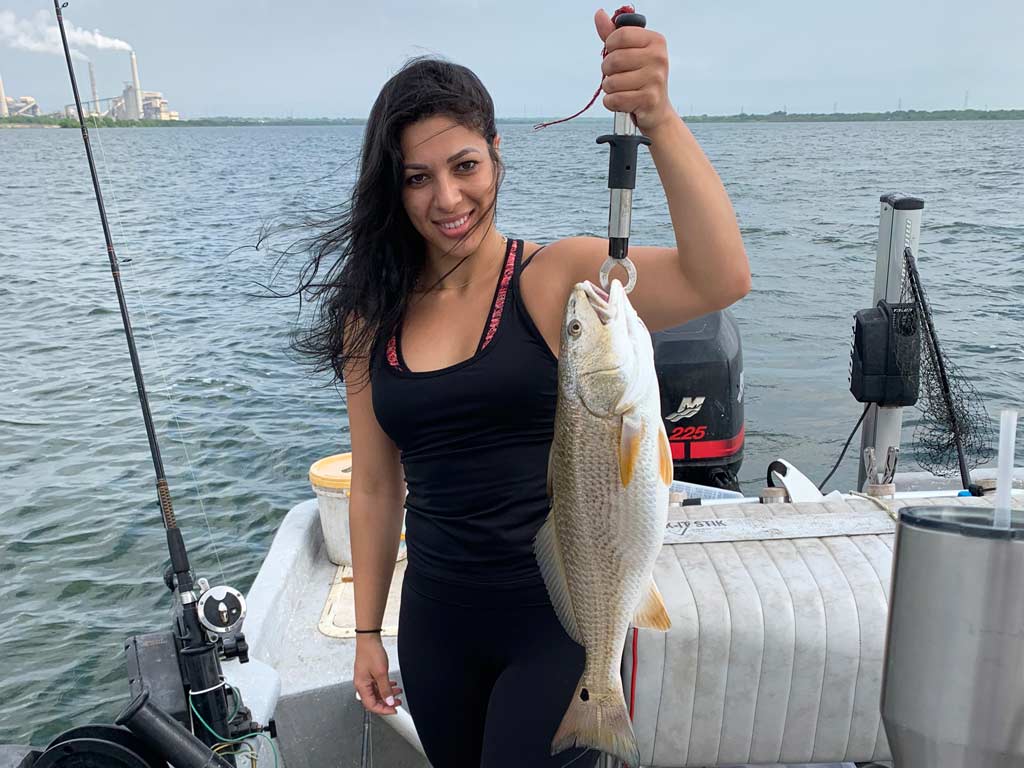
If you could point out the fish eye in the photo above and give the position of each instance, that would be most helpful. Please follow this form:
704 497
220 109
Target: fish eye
575 328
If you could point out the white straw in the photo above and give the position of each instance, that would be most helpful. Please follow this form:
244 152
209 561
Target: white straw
1004 475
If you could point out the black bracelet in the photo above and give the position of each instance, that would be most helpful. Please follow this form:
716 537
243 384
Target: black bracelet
368 631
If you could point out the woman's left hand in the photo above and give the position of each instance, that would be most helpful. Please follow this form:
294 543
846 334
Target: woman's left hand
635 73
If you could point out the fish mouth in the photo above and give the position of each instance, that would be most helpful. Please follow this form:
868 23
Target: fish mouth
601 302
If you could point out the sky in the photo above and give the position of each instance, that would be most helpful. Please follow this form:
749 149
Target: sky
329 58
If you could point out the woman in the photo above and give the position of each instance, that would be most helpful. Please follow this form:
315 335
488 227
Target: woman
448 345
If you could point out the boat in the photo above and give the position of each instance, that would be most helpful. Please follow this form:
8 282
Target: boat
775 655
779 604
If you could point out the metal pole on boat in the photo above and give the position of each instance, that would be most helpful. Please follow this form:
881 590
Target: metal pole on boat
899 227
623 142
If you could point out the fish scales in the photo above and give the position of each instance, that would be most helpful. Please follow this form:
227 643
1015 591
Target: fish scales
607 540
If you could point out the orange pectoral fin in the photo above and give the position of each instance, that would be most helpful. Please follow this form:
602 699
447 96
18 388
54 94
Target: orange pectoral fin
629 446
664 456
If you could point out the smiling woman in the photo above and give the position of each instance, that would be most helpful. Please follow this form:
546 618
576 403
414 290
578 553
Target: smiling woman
449 348
429 157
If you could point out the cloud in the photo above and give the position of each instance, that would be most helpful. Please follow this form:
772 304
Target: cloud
40 34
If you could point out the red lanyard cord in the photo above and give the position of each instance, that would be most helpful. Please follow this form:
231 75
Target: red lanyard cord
604 52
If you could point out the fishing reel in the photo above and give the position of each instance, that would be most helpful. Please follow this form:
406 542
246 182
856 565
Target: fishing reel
207 631
220 610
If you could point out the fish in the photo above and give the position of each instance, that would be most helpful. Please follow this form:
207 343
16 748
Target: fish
609 473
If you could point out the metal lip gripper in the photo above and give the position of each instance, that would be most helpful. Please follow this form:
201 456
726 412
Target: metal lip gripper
623 143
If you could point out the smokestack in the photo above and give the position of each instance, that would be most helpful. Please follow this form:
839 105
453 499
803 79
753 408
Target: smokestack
3 100
95 98
138 88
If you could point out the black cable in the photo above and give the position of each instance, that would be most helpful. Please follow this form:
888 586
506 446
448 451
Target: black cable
845 447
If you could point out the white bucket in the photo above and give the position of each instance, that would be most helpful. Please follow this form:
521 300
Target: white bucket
331 478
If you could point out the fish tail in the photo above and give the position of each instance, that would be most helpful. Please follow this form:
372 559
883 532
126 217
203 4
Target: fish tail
598 720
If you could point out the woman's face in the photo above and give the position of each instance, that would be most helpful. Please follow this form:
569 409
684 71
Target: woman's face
449 184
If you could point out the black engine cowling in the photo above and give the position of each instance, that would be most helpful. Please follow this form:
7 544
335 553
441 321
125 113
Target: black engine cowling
700 372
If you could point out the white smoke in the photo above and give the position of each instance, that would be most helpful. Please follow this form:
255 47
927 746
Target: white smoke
41 34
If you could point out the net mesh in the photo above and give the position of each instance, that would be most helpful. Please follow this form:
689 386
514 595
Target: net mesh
954 432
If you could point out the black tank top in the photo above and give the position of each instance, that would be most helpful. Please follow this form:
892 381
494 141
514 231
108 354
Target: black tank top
474 440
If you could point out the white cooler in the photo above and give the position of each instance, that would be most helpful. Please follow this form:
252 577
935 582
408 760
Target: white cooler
776 647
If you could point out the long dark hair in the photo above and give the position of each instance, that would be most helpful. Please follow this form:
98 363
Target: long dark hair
371 253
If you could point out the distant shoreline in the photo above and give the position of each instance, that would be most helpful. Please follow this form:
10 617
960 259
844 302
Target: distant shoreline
910 115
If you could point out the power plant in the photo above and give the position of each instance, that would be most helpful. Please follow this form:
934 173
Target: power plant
133 103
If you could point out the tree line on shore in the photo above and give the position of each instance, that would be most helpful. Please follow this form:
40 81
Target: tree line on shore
743 117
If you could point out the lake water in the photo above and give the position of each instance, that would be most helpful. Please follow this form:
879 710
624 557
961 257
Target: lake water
240 421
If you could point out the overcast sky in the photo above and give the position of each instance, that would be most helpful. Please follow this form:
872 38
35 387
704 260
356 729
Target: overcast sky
309 58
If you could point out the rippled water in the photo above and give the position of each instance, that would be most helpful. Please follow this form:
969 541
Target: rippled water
240 421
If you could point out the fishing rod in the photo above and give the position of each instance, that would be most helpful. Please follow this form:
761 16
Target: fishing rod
176 677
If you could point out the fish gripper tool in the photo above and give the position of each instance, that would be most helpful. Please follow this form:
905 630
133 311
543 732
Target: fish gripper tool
623 143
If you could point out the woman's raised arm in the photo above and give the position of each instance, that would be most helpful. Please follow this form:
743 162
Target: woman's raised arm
707 269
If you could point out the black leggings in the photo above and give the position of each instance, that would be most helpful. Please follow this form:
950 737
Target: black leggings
488 674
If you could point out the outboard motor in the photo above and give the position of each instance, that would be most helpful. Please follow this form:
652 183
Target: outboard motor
700 372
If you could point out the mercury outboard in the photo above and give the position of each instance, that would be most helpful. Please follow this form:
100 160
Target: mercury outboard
700 372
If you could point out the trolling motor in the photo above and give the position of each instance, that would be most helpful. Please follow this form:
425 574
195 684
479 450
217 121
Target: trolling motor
182 708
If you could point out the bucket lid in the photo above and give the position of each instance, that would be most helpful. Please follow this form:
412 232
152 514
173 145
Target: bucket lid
966 521
332 471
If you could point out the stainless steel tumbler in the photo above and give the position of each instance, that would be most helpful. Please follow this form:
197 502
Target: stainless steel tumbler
953 690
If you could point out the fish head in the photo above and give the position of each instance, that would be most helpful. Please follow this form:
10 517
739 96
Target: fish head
598 356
